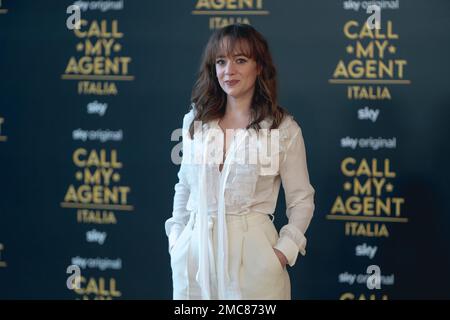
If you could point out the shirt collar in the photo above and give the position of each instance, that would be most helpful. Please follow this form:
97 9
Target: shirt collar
264 124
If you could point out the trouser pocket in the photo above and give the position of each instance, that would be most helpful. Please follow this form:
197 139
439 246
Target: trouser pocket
261 276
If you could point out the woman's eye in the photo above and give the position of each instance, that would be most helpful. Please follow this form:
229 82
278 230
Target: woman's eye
239 61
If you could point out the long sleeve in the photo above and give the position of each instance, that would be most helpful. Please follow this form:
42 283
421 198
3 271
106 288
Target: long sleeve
299 195
180 215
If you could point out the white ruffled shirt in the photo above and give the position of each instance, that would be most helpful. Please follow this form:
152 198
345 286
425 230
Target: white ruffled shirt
246 187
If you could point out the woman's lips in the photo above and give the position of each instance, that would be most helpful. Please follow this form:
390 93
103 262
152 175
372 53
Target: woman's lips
231 83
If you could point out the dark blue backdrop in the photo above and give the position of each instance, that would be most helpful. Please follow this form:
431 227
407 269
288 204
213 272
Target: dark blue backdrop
83 186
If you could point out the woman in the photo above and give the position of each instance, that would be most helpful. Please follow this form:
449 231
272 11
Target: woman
222 241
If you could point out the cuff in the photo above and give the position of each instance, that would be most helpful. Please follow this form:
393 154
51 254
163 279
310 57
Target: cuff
289 249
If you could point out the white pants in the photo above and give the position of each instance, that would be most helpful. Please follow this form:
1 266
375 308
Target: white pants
255 271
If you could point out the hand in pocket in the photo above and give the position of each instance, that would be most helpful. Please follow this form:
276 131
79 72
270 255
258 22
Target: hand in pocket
281 257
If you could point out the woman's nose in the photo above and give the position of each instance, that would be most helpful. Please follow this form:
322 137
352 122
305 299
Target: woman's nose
229 68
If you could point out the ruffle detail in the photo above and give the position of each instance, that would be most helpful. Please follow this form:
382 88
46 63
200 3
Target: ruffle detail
241 185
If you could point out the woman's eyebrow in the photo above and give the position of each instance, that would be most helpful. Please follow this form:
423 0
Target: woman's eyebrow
234 55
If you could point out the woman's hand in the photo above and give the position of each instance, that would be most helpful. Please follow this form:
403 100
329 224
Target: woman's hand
281 257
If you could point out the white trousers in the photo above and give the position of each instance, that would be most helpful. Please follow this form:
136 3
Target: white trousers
254 269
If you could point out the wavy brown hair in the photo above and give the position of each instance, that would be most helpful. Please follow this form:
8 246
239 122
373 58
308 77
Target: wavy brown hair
210 100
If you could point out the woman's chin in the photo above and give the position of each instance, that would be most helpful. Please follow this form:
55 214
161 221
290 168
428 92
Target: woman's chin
233 93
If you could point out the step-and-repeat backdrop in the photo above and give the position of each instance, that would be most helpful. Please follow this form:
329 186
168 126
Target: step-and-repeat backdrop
87 133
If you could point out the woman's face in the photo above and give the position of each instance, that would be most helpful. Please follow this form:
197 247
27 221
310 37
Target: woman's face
237 73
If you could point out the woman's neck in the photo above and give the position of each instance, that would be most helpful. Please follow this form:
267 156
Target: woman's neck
238 107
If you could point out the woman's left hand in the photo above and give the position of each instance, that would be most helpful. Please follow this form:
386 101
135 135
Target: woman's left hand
281 257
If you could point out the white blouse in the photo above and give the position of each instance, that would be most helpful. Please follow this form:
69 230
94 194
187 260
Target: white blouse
243 187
